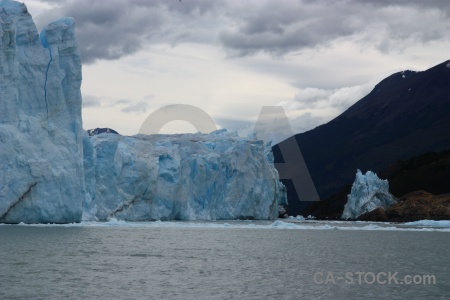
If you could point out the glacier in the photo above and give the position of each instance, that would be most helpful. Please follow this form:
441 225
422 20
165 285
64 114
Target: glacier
216 176
41 173
368 193
53 172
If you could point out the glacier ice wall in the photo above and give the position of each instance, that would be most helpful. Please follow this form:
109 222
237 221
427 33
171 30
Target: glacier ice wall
41 157
368 193
180 177
52 172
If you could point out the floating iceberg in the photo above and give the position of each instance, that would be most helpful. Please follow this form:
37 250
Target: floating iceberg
431 223
368 193
217 176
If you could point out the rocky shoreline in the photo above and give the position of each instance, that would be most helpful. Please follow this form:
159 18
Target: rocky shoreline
415 206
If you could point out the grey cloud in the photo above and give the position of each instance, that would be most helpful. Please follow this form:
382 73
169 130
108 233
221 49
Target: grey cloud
280 27
110 31
117 28
96 101
140 107
340 99
306 122
127 105
299 124
286 26
121 101
233 124
91 101
113 29
441 5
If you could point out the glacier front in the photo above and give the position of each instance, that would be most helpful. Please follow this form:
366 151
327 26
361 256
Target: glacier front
41 156
368 193
216 176
52 172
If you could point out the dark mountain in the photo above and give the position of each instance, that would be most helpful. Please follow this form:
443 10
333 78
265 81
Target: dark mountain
405 115
429 172
97 131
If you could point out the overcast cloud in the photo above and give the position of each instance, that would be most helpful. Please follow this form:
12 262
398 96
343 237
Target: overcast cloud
278 27
316 58
91 101
116 28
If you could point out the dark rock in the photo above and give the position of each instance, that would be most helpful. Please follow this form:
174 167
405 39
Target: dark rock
281 211
415 206
376 215
97 131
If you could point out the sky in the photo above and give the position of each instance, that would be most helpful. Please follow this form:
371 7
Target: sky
230 58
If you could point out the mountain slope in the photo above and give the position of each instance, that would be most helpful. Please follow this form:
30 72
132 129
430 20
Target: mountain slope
406 114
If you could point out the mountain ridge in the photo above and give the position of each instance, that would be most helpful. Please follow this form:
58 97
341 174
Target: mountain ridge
406 114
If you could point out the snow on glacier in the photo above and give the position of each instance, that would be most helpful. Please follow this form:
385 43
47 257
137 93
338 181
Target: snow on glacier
41 157
368 193
216 176
52 172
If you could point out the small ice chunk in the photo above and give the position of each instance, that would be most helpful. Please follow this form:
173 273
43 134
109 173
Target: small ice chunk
429 223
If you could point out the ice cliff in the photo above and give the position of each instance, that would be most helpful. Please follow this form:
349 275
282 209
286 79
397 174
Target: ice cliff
52 172
41 156
368 193
180 177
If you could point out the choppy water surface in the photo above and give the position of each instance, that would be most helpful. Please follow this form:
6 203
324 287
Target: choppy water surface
236 260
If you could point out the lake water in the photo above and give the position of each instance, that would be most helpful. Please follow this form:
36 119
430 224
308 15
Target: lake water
223 260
